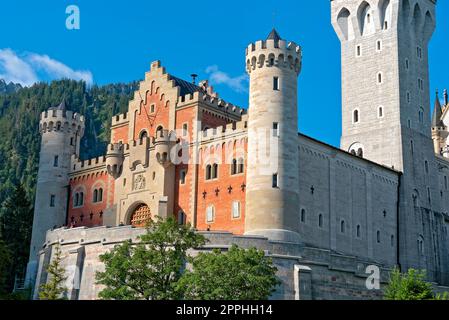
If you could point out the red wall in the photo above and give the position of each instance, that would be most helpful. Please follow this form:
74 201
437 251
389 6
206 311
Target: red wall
86 184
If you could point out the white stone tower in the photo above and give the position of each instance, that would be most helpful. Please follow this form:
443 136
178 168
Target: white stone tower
272 198
386 108
61 132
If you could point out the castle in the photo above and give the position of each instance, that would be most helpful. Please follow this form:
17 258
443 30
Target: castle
324 215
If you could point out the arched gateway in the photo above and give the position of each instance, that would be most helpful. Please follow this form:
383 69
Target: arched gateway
140 216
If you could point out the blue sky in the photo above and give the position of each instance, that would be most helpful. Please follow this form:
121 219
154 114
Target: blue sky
118 40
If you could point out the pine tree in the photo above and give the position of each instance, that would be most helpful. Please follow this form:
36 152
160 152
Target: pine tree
55 288
16 223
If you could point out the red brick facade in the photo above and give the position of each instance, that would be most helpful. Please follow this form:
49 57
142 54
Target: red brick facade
193 192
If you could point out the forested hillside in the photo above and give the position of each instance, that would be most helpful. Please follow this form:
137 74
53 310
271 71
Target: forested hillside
20 109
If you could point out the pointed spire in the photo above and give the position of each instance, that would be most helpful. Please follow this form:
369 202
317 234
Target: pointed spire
274 35
437 113
446 102
62 105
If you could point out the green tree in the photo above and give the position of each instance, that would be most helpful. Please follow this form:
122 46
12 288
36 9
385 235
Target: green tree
408 286
55 288
237 274
16 223
5 267
151 268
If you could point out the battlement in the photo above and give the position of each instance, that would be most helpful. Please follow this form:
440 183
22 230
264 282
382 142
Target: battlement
273 53
214 102
61 120
120 119
90 164
224 131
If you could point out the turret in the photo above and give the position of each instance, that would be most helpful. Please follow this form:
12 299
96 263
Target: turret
439 130
114 159
61 132
164 143
272 198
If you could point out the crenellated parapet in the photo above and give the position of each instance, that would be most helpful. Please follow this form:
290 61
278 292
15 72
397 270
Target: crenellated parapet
120 119
61 120
93 164
273 53
223 132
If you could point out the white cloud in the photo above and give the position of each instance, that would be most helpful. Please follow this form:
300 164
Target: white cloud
30 68
238 84
15 69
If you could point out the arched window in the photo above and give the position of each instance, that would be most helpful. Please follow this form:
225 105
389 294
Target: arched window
100 194
76 200
320 220
159 131
355 116
143 136
303 215
358 231
81 198
392 240
342 226
95 197
379 78
426 166
234 167
241 165
215 171
380 112
415 198
181 218
360 152
421 245
378 236
208 172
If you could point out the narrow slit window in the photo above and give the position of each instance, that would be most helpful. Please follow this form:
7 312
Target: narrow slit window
275 181
275 129
276 83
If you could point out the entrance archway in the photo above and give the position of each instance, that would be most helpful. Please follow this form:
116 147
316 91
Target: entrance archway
140 216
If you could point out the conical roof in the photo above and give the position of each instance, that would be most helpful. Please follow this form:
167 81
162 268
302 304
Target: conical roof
274 35
437 114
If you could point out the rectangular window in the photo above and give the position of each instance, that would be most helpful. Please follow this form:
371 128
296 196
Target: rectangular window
182 177
276 83
275 181
52 200
359 51
56 161
210 214
152 108
184 129
275 129
236 210
71 141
